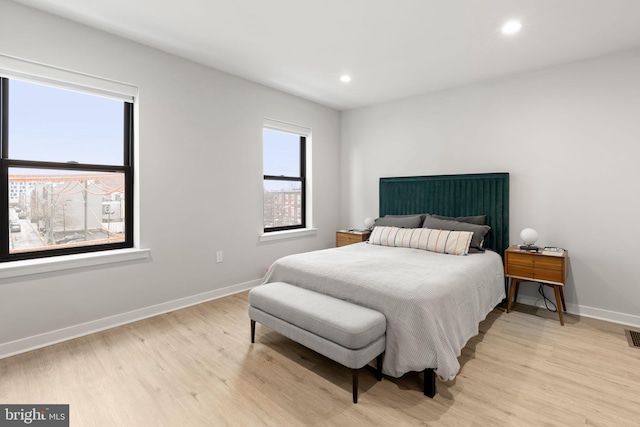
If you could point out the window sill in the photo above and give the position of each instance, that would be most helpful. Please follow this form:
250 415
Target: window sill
288 234
69 262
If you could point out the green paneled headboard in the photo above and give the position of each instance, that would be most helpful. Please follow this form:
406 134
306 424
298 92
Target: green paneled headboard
452 195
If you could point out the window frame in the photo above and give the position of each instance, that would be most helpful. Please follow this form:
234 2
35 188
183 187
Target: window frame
303 134
127 169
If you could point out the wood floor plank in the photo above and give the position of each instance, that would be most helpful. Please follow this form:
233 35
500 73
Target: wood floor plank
197 367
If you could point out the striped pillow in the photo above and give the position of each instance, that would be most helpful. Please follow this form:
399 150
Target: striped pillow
440 241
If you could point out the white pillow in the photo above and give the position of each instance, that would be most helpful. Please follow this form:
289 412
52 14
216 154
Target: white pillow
440 241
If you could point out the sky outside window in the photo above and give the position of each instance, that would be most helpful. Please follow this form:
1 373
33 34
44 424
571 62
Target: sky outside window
56 125
281 153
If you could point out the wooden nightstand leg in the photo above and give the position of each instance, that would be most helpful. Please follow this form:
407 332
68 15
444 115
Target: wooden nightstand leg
515 297
512 289
556 290
564 305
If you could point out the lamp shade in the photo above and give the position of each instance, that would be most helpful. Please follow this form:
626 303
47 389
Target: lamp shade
368 222
529 236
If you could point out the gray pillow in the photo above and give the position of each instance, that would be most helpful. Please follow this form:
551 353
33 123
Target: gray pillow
477 219
479 231
422 217
409 221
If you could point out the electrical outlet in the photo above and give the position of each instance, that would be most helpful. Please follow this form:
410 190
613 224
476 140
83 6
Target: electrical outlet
219 256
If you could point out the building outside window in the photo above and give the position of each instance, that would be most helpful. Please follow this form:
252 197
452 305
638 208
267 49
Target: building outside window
66 170
285 180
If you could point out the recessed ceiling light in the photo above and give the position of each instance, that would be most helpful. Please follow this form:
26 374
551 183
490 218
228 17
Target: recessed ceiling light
511 27
345 78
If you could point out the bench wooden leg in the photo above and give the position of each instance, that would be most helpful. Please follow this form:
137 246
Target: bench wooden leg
253 331
429 383
354 374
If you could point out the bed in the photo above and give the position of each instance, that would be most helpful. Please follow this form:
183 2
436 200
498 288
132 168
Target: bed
433 302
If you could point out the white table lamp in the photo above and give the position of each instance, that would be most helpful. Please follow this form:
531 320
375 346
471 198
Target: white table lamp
368 223
529 236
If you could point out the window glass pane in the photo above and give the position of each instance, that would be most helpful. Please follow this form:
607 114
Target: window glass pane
57 125
281 153
51 209
282 206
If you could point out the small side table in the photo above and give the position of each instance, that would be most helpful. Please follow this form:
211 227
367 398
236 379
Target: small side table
523 266
344 238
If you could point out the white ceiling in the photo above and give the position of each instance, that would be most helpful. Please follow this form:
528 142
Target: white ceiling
391 48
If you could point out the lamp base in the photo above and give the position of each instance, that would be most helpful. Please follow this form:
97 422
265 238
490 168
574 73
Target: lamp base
529 248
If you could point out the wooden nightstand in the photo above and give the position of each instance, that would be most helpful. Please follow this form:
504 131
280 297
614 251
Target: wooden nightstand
550 270
344 238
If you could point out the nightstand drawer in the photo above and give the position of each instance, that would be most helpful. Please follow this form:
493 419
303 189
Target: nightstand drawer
344 238
549 262
535 273
347 239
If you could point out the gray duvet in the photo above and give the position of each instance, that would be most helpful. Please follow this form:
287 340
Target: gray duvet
433 302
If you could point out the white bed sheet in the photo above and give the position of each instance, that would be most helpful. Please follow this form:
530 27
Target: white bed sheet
433 302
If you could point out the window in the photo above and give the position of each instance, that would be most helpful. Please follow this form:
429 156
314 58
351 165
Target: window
285 158
66 170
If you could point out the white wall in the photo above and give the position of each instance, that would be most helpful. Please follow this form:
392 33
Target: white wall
200 177
570 138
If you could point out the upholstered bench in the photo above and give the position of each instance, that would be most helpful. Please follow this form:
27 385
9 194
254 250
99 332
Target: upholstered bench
344 332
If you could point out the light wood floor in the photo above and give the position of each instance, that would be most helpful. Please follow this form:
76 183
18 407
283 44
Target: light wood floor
196 367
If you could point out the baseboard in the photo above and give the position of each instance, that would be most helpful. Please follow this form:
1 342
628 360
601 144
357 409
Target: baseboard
48 338
581 310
